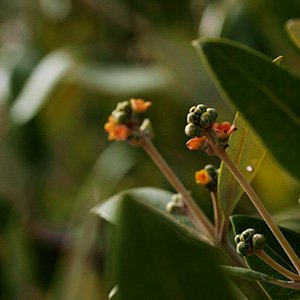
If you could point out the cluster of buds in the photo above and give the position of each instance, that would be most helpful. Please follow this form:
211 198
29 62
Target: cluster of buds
127 123
177 206
249 242
208 177
201 120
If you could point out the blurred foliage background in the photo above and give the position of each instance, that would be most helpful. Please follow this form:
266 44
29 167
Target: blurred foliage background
64 65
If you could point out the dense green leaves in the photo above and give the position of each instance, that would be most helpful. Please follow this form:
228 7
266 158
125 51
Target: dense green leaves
247 152
155 261
266 94
273 249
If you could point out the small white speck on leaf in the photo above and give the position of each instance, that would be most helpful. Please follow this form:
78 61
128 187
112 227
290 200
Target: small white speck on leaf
249 169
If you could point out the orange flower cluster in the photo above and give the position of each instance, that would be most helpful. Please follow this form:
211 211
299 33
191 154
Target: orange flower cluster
223 130
115 131
120 124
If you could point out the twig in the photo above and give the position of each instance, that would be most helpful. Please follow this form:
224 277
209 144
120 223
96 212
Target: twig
199 218
266 258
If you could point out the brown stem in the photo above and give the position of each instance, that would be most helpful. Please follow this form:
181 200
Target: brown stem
217 213
200 219
222 154
266 258
261 208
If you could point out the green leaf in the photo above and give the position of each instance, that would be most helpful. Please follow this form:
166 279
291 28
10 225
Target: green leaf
273 249
42 81
266 94
293 29
155 261
246 273
247 152
155 198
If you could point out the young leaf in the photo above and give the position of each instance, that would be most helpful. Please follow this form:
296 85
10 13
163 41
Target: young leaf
156 199
273 249
155 261
247 152
266 94
293 29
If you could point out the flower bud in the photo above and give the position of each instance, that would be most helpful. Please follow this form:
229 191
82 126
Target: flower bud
237 239
201 108
177 208
213 112
210 169
124 106
193 118
121 117
247 235
258 241
191 129
242 248
206 120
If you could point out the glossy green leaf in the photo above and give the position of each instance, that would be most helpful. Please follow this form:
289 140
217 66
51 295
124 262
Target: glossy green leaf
156 261
155 198
247 152
266 94
293 29
273 249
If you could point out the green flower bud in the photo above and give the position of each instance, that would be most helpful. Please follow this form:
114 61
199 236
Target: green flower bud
206 119
213 112
201 108
177 208
192 109
258 241
124 106
120 116
191 130
242 248
193 118
237 239
210 169
247 235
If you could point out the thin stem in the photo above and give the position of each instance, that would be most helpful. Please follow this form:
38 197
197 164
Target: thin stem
266 258
217 213
223 232
260 207
200 219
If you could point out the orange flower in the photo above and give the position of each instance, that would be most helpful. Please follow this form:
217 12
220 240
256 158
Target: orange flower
196 143
116 132
139 106
223 130
202 177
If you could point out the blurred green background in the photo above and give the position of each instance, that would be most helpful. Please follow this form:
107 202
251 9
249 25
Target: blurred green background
64 65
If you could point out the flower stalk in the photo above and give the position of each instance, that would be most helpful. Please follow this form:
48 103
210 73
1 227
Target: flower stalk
260 207
267 259
198 217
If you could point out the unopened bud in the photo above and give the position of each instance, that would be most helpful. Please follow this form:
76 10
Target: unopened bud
258 241
247 235
177 208
191 130
237 239
242 248
206 120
